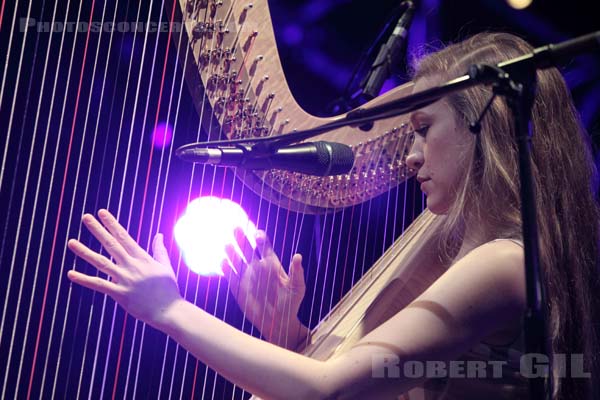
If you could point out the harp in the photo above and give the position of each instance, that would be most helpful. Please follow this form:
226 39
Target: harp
75 143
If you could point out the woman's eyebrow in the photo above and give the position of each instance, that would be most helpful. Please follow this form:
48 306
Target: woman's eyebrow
417 114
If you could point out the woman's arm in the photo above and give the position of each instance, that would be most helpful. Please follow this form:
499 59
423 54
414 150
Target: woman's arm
479 295
264 369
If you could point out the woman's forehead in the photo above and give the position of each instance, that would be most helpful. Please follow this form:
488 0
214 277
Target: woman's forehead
425 83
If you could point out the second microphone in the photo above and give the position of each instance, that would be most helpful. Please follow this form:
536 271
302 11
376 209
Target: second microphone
315 158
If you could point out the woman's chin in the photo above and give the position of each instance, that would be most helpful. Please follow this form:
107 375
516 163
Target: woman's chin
436 207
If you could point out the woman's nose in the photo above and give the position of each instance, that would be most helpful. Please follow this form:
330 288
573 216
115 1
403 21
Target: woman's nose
415 158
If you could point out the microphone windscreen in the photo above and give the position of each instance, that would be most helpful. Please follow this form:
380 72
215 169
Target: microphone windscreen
342 158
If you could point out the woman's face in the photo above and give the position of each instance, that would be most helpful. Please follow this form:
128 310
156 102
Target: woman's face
439 151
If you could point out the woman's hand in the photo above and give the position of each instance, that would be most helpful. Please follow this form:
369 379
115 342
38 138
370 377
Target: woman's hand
269 298
144 286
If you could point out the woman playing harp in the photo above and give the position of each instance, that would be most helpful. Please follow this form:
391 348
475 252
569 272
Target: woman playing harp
479 300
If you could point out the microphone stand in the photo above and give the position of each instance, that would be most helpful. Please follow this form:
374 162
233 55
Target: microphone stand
516 80
519 88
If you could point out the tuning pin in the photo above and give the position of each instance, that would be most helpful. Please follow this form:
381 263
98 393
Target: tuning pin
204 59
212 82
198 31
244 12
190 5
219 106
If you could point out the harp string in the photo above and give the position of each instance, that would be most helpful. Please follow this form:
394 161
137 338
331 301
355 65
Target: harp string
90 363
72 207
6 65
95 356
399 145
185 291
55 234
347 253
203 108
219 281
212 53
13 180
12 191
287 314
373 160
143 204
330 266
168 161
119 210
321 235
388 203
1 13
103 312
336 264
122 191
261 327
162 200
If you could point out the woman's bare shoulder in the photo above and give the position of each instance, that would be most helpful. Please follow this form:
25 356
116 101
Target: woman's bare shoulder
479 295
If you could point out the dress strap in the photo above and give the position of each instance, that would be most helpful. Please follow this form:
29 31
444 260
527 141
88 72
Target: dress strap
516 241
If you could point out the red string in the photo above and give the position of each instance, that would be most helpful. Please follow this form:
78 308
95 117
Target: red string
60 203
2 13
144 196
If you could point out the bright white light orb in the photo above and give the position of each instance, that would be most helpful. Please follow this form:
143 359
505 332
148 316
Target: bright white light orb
205 228
519 4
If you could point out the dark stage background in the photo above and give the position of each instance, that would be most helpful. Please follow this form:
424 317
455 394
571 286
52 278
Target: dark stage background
78 112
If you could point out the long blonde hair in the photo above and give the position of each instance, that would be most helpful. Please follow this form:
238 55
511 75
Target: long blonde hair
565 182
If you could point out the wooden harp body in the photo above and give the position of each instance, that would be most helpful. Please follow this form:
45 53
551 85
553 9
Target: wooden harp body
242 79
240 88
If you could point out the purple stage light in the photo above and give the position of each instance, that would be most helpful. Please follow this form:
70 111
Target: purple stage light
293 34
162 135
205 228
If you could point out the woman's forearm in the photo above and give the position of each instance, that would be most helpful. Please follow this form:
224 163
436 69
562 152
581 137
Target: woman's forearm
259 367
291 336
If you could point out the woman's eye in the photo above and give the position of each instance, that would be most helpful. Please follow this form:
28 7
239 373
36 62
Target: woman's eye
422 131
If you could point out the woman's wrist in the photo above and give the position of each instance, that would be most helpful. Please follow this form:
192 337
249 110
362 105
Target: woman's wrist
165 319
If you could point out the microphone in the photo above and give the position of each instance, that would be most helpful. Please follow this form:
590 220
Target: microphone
314 158
389 54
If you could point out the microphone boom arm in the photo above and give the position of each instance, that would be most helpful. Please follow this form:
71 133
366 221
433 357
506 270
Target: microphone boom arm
540 58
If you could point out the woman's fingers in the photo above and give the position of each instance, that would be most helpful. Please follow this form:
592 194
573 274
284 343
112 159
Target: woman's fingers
231 276
159 252
102 263
296 273
121 234
244 244
263 244
236 261
94 283
112 246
